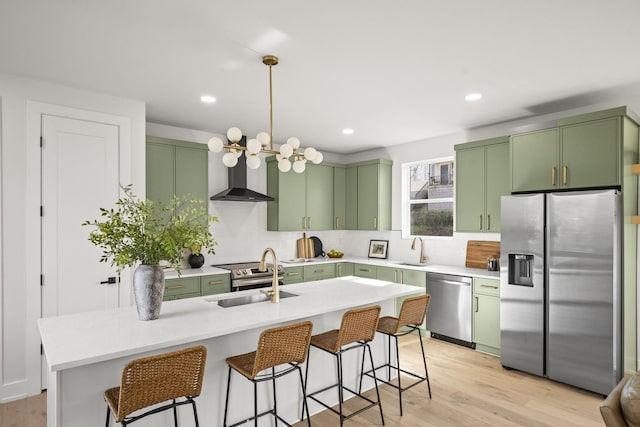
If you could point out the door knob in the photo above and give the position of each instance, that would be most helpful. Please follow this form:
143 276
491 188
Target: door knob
110 281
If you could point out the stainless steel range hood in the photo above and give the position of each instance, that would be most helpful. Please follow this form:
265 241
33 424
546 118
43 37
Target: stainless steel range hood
238 191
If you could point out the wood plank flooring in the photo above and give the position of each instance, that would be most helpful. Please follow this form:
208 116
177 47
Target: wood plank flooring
469 389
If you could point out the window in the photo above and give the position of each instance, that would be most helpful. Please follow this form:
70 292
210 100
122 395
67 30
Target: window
428 198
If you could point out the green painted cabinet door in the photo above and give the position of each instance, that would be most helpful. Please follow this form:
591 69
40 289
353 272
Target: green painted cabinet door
486 323
368 197
535 161
344 269
287 212
413 277
591 154
470 189
497 183
319 272
388 274
319 197
339 198
292 275
365 270
191 173
351 198
160 172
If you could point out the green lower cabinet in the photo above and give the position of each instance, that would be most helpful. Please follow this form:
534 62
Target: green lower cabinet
388 274
404 276
344 269
319 272
292 275
215 284
486 315
365 270
182 287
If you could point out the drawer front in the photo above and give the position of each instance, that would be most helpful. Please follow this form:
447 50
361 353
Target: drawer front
183 296
486 286
413 277
364 270
319 272
293 275
183 285
215 284
344 269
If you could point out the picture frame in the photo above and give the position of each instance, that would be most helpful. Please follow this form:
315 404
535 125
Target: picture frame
378 249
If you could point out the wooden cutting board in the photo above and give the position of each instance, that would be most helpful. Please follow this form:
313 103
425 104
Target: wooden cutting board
478 251
305 247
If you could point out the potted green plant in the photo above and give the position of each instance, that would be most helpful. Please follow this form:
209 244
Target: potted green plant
144 233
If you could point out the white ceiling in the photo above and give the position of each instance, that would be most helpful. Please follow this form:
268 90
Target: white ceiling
394 71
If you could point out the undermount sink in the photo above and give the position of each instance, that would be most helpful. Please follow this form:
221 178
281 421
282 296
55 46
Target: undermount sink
412 264
250 299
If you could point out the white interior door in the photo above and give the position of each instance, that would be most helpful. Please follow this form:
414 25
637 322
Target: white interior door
79 176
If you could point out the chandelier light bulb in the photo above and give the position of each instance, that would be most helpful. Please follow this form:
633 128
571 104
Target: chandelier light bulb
293 142
253 161
234 134
230 159
310 153
286 150
264 138
318 158
253 146
278 157
284 165
215 144
298 166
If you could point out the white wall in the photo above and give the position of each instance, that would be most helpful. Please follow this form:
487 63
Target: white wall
20 168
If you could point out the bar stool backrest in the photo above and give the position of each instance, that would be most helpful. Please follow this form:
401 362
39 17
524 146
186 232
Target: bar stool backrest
155 379
413 310
284 344
358 325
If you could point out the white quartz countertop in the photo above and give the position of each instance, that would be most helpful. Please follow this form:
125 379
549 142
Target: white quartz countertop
205 270
436 268
86 338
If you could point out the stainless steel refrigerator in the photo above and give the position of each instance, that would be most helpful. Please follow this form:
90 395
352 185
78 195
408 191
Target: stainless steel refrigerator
560 287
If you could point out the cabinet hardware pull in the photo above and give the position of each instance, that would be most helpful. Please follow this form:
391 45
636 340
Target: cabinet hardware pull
488 222
564 175
475 304
401 277
375 222
395 276
553 176
319 271
487 286
216 282
480 222
364 270
175 286
337 222
304 222
308 222
292 273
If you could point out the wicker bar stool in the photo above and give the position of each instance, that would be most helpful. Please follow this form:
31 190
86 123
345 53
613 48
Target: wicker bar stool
412 314
276 346
155 379
357 329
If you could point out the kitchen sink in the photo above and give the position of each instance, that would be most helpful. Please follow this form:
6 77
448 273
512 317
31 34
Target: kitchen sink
250 299
412 264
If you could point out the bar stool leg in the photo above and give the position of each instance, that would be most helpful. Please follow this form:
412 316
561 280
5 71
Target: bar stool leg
424 360
275 400
305 405
255 404
340 392
399 372
375 381
106 424
226 400
195 413
389 357
175 414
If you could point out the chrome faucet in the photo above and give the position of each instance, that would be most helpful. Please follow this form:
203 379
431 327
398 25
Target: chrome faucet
423 257
274 292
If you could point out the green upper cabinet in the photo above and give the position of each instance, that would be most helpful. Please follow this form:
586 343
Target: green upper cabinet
482 177
581 152
176 167
369 192
303 201
339 198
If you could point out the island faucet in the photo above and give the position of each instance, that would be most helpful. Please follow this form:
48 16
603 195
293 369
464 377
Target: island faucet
423 257
274 292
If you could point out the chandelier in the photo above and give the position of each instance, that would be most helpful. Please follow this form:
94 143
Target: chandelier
290 156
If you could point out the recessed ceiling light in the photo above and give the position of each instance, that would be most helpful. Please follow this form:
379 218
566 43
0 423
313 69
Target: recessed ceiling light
208 99
473 96
347 131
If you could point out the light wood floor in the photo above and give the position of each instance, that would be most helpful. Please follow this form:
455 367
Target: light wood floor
469 389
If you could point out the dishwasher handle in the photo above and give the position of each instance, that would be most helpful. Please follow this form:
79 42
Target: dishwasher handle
448 279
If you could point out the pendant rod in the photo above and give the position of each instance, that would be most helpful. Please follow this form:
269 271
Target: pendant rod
270 61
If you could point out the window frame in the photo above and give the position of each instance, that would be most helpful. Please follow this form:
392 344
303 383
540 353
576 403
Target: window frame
407 202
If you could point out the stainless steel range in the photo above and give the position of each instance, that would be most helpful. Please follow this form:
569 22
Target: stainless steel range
246 275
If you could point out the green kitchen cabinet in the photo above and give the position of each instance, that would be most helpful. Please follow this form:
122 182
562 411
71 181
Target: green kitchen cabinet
215 284
368 193
482 177
176 167
402 275
585 154
339 197
344 269
319 272
486 315
292 275
302 201
182 287
365 270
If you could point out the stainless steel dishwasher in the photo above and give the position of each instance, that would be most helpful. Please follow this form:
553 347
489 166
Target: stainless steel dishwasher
449 314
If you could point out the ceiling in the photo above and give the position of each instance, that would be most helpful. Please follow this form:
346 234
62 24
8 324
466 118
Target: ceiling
393 71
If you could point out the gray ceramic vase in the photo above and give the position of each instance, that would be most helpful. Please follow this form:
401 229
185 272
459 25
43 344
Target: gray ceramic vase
148 290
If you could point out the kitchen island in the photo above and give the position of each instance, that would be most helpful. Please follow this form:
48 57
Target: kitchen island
86 352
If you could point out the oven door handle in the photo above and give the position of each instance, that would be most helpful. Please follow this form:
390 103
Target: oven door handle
248 282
